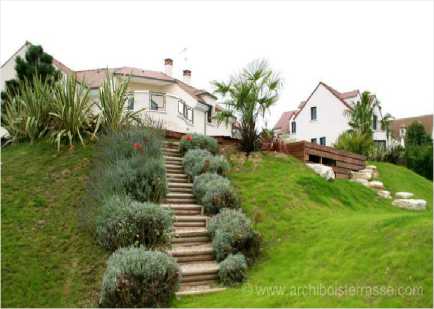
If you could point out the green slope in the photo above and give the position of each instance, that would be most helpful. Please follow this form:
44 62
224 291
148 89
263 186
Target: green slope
337 236
47 261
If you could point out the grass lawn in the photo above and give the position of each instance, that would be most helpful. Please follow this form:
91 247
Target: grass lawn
338 235
47 261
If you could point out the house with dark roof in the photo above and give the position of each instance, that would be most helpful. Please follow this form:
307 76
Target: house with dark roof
176 103
323 116
399 126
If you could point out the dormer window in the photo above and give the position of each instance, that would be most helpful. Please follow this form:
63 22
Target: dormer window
313 113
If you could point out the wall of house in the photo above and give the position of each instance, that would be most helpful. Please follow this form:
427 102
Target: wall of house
331 119
7 71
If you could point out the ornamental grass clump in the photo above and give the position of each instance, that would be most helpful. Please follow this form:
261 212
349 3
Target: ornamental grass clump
198 141
137 278
232 232
199 161
233 270
123 222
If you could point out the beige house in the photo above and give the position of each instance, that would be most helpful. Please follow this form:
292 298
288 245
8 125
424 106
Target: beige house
177 104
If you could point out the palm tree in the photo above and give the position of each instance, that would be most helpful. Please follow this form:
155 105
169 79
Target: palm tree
362 114
386 121
248 96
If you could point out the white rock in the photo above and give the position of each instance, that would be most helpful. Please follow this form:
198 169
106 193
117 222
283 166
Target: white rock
324 171
403 195
361 181
371 167
410 204
376 185
384 194
363 174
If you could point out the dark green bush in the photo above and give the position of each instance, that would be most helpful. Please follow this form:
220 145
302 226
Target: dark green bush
232 233
122 223
199 161
136 278
124 144
233 269
394 154
419 158
198 141
141 178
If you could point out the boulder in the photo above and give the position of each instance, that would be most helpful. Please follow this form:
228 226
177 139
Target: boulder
324 171
362 174
411 204
361 181
403 195
375 184
371 167
384 194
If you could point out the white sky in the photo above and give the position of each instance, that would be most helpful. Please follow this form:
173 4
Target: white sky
384 47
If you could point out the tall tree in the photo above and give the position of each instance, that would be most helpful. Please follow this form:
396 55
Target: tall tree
416 135
36 62
247 97
362 114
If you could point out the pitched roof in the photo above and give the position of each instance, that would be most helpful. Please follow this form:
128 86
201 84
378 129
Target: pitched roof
339 95
283 122
61 67
426 120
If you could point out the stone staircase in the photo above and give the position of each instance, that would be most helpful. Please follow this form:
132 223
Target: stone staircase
191 245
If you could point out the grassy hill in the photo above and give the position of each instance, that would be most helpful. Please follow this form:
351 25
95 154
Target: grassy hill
316 234
320 235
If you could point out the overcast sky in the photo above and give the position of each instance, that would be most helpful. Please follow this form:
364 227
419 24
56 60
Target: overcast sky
384 47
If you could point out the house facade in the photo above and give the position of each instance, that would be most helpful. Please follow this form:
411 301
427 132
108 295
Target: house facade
175 103
323 116
399 127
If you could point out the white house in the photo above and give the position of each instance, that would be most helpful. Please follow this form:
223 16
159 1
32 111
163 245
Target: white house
322 117
176 103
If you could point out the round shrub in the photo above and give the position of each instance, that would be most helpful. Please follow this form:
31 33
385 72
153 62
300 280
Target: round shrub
198 141
196 162
219 194
219 165
233 269
138 278
123 222
199 161
232 233
200 183
141 178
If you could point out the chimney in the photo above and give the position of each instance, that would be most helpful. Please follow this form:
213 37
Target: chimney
186 76
168 66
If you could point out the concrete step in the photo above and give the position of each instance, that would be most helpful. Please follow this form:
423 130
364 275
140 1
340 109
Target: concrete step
170 151
197 269
174 165
178 179
179 185
191 241
198 290
176 176
180 201
181 190
190 218
185 209
179 195
190 232
179 250
189 224
174 159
